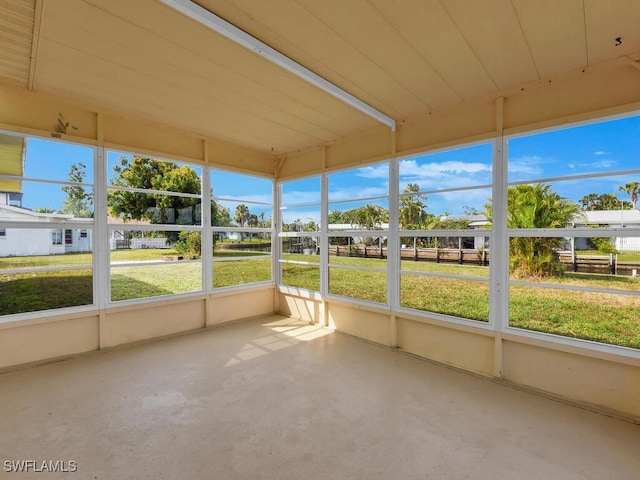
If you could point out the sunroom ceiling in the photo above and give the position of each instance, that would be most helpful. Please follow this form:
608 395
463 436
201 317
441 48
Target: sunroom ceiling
403 57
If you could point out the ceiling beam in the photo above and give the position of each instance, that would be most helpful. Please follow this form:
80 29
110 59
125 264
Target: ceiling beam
230 31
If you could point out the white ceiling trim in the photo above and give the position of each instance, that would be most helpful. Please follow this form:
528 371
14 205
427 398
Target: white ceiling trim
233 33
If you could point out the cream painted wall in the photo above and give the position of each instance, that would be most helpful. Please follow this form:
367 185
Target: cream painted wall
62 335
604 384
469 350
363 322
306 308
150 320
237 304
28 342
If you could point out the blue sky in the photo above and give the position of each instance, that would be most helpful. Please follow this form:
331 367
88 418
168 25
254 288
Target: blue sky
612 146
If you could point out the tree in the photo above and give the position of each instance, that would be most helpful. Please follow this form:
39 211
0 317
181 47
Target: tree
536 206
606 201
150 174
632 189
442 223
468 210
220 216
252 222
366 217
78 202
335 216
189 245
589 202
242 214
413 212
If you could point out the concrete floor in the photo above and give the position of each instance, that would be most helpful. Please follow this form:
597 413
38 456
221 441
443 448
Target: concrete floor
280 399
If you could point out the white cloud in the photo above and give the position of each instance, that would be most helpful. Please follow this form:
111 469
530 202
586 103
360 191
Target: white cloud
600 152
300 197
356 192
448 174
602 165
453 202
374 171
527 165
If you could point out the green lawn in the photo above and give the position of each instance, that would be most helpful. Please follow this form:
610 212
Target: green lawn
608 318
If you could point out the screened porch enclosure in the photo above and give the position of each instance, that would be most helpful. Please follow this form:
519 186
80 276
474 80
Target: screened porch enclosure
169 166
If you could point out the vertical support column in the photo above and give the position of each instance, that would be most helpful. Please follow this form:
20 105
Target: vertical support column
499 265
393 241
207 236
276 250
101 246
324 239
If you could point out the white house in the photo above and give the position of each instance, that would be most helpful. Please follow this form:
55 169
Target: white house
42 241
476 221
614 219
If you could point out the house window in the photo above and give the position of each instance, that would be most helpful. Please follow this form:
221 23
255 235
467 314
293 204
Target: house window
56 237
3 233
68 237
83 234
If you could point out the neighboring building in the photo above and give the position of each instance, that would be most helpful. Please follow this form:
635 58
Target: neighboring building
610 218
41 241
477 221
607 218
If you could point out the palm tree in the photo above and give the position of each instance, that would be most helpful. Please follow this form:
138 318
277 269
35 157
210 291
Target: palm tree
632 189
412 209
252 221
588 202
335 216
242 214
536 206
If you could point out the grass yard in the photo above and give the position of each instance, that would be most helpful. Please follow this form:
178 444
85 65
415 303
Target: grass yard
608 318
449 296
142 281
240 272
30 292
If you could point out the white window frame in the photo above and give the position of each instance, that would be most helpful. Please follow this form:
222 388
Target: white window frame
241 230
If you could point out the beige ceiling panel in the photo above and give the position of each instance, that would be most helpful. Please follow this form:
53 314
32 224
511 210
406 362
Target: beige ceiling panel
444 48
148 99
170 79
136 62
268 80
608 20
366 29
294 31
555 33
196 120
16 34
492 30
